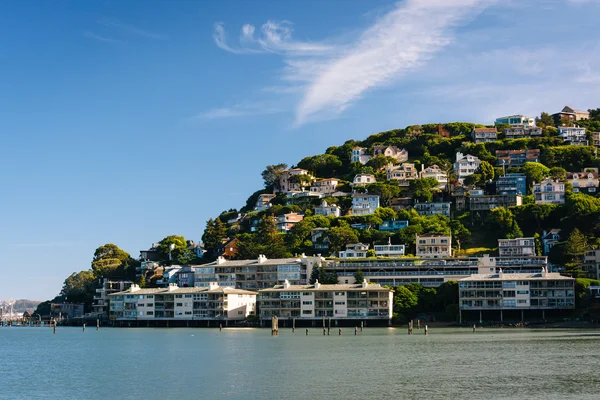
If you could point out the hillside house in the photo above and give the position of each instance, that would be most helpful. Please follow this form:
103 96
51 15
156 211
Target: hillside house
484 135
391 151
403 173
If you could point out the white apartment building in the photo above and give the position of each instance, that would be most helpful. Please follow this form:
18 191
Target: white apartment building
439 208
465 165
515 120
573 135
434 246
191 303
363 179
549 191
326 209
346 301
364 204
433 171
354 250
258 273
102 296
516 247
521 131
502 292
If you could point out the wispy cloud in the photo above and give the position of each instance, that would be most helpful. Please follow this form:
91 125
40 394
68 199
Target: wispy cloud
114 23
100 38
273 37
237 111
333 77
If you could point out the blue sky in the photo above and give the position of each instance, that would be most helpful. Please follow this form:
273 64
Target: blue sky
125 122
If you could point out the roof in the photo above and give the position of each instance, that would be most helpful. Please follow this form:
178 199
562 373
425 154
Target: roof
245 263
326 288
364 195
517 277
582 175
484 130
433 235
185 290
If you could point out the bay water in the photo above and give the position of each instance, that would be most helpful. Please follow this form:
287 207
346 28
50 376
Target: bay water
379 363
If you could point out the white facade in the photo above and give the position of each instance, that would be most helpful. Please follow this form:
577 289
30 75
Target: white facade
346 301
434 246
389 250
364 204
212 302
326 209
515 120
325 186
465 165
516 247
354 250
573 135
433 171
549 192
359 155
363 179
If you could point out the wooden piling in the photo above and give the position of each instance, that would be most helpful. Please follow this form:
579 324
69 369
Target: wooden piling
473 328
324 332
84 327
220 327
274 326
97 324
340 332
419 324
361 325
306 331
355 330
426 331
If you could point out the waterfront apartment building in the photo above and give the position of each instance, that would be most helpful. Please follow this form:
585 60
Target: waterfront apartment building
430 272
515 120
434 246
66 310
508 292
516 158
521 131
488 202
435 208
102 296
549 191
172 302
484 135
364 203
516 247
513 184
256 274
591 263
318 301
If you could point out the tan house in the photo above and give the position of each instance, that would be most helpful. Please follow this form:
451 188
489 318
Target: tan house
434 246
286 222
264 201
484 135
363 180
572 114
290 180
325 186
584 182
391 151
433 171
403 173
549 191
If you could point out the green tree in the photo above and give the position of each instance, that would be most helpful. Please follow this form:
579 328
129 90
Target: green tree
386 214
404 300
111 262
574 249
558 173
272 174
339 237
386 191
535 172
502 224
314 276
323 165
486 170
381 162
359 276
174 245
143 281
79 288
213 236
545 119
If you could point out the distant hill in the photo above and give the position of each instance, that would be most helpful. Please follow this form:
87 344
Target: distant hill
25 305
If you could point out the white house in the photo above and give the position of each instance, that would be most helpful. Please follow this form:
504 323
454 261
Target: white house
328 209
465 165
549 191
264 201
484 135
355 250
363 179
391 151
573 135
389 250
515 120
434 246
433 171
364 203
516 247
359 155
325 186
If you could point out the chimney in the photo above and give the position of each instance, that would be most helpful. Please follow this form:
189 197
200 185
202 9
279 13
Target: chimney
213 285
134 288
261 258
365 284
172 286
220 260
500 275
286 284
303 255
317 284
459 155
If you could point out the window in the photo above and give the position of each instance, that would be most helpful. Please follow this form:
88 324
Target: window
179 304
188 296
522 291
522 301
240 312
307 303
306 312
150 305
188 313
178 296
340 303
150 313
150 296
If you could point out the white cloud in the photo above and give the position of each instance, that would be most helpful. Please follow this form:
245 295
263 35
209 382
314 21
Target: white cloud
113 23
100 38
238 110
333 77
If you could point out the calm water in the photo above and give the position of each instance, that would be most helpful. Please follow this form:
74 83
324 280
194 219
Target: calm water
250 364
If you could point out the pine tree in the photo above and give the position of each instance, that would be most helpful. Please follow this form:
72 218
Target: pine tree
314 275
358 276
574 249
143 281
